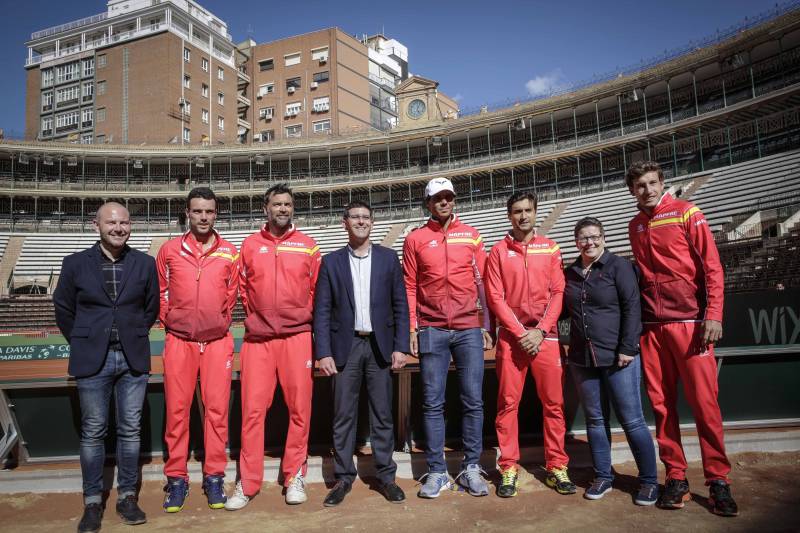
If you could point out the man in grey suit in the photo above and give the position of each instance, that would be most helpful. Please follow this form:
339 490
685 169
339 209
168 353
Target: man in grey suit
360 333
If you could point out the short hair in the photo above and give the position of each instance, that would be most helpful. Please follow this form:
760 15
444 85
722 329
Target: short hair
201 192
278 188
522 195
639 169
586 222
354 204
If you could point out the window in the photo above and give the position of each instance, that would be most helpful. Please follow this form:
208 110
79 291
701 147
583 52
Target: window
101 87
88 67
267 88
187 81
204 64
323 126
204 90
101 114
267 135
204 116
47 101
293 84
220 73
101 61
291 59
101 139
187 107
322 104
47 126
221 98
67 121
47 77
187 135
187 54
67 72
221 123
68 95
294 131
321 77
86 138
266 64
320 54
293 109
88 91
266 113
87 115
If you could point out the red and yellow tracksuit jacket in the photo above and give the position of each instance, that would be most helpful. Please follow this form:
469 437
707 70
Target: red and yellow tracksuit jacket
525 283
277 277
443 272
198 289
682 277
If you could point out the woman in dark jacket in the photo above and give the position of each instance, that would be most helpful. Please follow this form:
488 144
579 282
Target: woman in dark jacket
602 298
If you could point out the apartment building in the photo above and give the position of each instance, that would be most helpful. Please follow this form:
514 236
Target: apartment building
142 72
323 82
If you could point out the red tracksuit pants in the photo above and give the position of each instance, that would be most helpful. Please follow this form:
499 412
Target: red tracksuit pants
675 351
285 360
182 362
512 365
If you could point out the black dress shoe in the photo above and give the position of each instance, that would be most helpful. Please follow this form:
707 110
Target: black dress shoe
92 516
393 493
128 509
337 494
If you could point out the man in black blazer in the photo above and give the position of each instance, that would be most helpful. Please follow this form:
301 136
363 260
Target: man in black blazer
360 332
105 303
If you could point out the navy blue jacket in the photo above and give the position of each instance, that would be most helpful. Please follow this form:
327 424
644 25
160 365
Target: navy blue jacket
604 310
85 311
334 313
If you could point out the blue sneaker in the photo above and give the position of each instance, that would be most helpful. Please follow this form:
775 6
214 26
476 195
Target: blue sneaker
214 488
598 489
646 495
435 483
177 489
471 478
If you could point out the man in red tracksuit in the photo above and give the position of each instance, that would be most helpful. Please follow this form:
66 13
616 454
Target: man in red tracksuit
525 285
278 272
682 287
199 276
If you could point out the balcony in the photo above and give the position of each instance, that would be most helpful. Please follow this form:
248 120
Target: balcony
68 127
67 103
243 100
243 123
242 77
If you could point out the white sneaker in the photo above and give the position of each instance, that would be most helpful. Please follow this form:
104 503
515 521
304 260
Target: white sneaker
296 491
238 500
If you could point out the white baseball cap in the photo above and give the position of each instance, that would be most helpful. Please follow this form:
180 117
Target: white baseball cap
437 185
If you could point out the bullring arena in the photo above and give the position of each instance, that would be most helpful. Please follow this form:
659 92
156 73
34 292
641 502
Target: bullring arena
726 133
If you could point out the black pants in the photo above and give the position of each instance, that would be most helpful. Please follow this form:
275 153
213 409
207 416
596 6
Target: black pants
364 362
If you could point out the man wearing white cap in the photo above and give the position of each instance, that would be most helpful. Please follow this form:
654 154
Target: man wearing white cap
443 263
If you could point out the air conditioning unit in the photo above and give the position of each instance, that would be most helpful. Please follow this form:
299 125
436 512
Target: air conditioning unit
266 114
314 84
181 101
257 138
260 96
291 90
323 59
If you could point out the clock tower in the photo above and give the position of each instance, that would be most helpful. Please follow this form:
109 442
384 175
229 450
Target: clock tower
420 102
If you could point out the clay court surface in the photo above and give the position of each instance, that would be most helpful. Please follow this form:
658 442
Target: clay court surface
766 486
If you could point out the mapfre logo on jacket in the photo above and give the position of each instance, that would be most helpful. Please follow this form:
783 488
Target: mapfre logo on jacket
441 269
277 279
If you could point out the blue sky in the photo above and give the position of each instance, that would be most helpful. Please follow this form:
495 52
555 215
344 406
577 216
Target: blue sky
481 52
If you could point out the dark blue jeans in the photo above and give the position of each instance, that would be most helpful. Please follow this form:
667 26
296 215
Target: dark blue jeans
436 346
128 388
596 386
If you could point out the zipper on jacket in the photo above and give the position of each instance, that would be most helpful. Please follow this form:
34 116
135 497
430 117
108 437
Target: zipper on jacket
447 280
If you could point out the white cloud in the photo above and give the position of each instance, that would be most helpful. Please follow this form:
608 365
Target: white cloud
546 83
458 97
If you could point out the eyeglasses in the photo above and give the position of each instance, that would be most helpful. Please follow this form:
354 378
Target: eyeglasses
359 217
593 238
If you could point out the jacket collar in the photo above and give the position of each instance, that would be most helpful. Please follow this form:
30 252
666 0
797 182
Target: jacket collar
189 243
435 226
664 203
270 237
577 265
516 245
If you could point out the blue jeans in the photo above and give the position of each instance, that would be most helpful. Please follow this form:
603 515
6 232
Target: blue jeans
435 348
95 391
596 386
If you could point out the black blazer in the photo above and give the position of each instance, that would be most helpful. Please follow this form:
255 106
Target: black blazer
334 313
85 311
